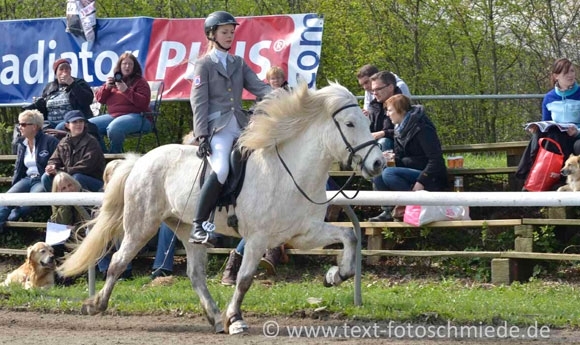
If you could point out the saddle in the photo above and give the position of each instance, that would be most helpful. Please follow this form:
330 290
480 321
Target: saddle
233 185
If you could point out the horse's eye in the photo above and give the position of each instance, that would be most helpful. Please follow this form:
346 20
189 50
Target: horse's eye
350 124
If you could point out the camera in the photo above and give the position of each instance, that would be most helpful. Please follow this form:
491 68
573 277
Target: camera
118 77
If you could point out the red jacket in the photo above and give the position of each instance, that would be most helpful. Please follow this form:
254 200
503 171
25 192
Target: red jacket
135 99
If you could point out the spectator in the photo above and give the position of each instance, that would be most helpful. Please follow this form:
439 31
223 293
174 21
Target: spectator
63 94
163 264
216 102
383 86
67 214
126 95
32 156
561 104
363 76
78 154
277 78
418 156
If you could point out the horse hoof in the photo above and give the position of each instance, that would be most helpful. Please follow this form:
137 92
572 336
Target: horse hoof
219 328
238 327
332 277
88 309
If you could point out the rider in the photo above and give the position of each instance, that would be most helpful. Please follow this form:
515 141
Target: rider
218 118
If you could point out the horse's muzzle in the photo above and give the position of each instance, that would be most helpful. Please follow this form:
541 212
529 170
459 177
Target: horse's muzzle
376 168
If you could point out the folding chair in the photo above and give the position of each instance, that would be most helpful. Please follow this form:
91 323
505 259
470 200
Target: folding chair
156 95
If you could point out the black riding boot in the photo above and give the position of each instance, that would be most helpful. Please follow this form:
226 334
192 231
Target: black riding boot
209 195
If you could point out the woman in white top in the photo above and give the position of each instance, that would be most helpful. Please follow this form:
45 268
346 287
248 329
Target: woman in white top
33 153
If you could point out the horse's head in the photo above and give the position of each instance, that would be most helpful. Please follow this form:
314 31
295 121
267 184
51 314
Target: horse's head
351 142
330 115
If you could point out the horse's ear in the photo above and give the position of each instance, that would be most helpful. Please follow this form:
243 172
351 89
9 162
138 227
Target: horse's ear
300 81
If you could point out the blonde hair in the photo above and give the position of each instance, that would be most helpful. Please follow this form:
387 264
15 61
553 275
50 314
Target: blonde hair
32 116
62 177
275 71
109 169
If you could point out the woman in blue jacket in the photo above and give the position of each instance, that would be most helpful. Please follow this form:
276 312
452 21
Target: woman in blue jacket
561 104
33 153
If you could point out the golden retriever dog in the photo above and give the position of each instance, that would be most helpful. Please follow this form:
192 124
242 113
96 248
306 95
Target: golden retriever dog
571 170
38 269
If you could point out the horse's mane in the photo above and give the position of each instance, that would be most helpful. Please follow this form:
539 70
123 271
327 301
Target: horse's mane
283 114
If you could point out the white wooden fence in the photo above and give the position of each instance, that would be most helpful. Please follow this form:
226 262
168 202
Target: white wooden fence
507 199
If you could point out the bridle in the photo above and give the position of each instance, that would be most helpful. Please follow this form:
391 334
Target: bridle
352 151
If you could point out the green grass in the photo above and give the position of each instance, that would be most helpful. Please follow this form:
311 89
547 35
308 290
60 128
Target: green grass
483 160
458 301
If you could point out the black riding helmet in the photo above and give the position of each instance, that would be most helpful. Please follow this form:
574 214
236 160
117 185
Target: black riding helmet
216 19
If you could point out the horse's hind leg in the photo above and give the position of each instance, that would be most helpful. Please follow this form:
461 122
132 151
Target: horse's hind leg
130 246
233 321
196 271
323 234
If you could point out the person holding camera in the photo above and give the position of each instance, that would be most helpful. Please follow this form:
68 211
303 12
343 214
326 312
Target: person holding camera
127 95
63 94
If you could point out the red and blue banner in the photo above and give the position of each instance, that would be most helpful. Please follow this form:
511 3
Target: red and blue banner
166 48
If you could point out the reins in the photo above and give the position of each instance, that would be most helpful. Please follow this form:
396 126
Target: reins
349 148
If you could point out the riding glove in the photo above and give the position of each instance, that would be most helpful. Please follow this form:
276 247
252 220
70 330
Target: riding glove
204 148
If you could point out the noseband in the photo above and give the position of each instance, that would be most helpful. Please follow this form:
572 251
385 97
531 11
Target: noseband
352 151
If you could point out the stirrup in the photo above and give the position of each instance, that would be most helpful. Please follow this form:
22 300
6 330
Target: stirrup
208 226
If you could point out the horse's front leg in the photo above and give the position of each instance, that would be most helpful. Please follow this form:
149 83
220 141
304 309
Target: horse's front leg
196 271
233 320
321 234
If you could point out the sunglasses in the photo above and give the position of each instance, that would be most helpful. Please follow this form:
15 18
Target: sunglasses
24 124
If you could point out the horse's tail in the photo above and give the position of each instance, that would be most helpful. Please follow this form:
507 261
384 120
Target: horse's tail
107 226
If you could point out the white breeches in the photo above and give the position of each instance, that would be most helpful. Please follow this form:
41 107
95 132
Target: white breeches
221 148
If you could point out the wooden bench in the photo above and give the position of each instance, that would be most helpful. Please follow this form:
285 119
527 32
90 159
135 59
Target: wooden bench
513 151
505 266
12 158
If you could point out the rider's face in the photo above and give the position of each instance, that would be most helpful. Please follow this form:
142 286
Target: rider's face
224 35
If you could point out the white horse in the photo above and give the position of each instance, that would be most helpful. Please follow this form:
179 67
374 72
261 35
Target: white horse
306 130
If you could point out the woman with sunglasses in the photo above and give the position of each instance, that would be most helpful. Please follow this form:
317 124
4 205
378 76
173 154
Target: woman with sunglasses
32 156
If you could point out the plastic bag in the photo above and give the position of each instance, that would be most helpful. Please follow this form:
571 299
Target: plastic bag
419 215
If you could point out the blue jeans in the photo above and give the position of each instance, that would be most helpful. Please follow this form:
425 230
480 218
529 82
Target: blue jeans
55 125
397 179
165 249
241 246
117 128
386 144
25 185
87 182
